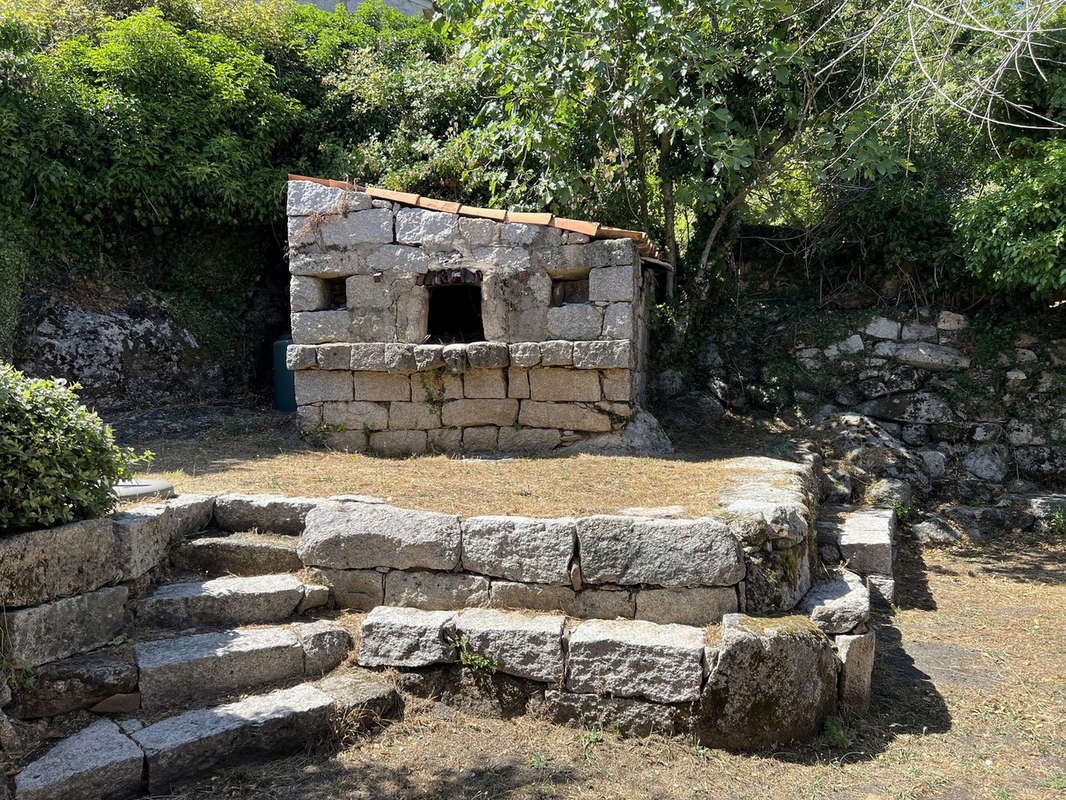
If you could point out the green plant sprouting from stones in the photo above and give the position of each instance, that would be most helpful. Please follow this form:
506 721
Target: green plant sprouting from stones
433 383
10 672
479 662
904 513
318 435
1056 521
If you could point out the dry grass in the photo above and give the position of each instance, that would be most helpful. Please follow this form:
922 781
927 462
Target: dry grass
969 702
263 461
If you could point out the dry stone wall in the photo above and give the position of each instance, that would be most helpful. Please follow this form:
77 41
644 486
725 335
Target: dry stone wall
559 323
65 589
931 409
635 621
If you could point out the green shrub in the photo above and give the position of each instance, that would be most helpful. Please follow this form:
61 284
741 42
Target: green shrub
58 460
146 143
1013 228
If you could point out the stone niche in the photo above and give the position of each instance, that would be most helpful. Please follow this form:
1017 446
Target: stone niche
419 330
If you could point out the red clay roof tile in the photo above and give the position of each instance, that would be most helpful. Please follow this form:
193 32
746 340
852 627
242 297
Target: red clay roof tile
592 229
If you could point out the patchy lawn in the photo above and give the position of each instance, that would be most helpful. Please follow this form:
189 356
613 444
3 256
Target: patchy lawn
258 457
970 702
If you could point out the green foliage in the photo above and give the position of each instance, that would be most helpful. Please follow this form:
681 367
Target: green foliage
632 112
58 460
1013 227
11 673
130 130
319 434
12 270
904 513
835 735
154 139
589 740
1056 522
479 662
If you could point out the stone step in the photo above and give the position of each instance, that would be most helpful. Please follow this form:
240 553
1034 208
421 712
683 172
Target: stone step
97 762
195 669
245 554
862 538
229 601
264 513
108 761
838 604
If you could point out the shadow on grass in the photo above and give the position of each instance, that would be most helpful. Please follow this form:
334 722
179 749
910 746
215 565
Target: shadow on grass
1026 557
911 575
319 777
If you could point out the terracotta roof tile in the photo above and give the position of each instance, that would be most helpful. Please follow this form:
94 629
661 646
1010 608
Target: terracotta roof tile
406 198
592 229
497 214
439 205
578 226
530 217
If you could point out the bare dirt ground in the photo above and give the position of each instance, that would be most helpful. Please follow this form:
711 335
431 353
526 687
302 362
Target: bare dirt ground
252 455
969 702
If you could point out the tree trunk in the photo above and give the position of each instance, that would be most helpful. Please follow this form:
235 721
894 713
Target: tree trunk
669 210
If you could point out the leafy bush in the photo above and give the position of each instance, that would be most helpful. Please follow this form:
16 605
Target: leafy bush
58 460
153 139
1013 227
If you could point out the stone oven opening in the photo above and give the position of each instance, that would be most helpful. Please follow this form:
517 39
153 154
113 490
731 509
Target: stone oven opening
336 293
454 306
455 314
569 290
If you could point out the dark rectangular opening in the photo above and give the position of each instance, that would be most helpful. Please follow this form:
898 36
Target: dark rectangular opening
336 293
575 290
455 314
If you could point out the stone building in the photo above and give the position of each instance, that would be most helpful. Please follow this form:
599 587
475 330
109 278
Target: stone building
420 324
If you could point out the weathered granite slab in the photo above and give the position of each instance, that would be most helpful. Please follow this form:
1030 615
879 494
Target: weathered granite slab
369 535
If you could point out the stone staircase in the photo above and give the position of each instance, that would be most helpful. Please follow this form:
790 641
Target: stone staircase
642 625
223 670
865 540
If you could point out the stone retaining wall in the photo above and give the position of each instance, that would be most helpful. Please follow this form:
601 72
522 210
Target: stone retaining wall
972 403
758 555
601 616
563 320
64 590
756 682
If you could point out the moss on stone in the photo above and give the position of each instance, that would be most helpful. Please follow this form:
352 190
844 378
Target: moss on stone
783 625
